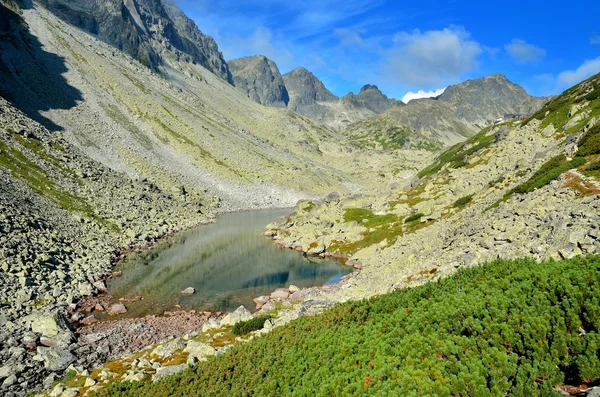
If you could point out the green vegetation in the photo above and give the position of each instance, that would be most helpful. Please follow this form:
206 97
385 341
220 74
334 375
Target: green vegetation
366 217
463 201
244 327
507 328
550 171
557 110
413 217
595 166
590 142
457 155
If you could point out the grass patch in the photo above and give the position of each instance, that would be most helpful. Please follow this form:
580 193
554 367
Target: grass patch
366 218
414 217
507 328
463 201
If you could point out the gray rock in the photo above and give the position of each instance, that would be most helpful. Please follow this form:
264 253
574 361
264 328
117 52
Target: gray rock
240 314
166 371
198 351
56 358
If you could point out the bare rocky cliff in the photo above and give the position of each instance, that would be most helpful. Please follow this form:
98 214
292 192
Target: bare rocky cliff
152 31
260 79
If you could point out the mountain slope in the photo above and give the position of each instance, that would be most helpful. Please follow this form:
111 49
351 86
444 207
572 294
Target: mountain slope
154 32
461 111
199 132
519 189
260 79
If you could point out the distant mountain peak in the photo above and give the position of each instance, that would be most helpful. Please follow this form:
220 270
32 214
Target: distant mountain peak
369 87
260 79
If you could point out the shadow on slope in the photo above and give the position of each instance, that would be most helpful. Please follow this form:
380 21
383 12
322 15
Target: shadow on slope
31 78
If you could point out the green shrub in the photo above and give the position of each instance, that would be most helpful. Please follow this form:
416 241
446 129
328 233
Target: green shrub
254 324
463 201
595 166
595 94
413 217
550 171
506 328
590 143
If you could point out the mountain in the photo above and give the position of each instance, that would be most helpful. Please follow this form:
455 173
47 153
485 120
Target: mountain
371 97
155 32
310 97
459 112
479 102
260 79
307 93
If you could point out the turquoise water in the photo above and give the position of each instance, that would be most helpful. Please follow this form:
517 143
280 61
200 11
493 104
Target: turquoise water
228 263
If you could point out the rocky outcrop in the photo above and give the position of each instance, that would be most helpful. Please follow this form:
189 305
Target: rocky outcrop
152 31
259 78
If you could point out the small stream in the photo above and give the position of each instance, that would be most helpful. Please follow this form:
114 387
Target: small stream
228 263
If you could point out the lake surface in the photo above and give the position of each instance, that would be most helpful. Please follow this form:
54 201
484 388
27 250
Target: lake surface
228 263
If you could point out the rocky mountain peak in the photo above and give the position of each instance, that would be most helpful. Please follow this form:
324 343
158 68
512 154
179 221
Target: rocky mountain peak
305 89
371 97
155 32
260 79
369 87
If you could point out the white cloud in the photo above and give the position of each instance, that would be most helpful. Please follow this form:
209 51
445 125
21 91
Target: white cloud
587 69
595 39
349 37
524 52
431 58
260 42
422 94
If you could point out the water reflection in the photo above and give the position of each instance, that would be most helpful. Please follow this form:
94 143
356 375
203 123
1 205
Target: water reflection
228 264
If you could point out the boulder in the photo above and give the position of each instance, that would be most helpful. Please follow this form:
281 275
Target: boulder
168 348
188 291
89 320
117 308
198 351
166 371
280 293
260 301
240 314
55 358
100 285
293 288
54 327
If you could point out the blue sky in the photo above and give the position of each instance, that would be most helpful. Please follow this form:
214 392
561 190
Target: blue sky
545 46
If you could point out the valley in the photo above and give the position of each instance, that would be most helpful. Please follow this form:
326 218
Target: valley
175 223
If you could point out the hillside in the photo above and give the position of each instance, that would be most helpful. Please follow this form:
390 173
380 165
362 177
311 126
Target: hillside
197 131
156 33
461 111
507 328
522 189
535 179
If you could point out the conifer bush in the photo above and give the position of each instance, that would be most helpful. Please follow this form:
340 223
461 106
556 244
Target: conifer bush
254 324
506 328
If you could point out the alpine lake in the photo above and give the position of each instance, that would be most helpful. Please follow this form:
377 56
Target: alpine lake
228 263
